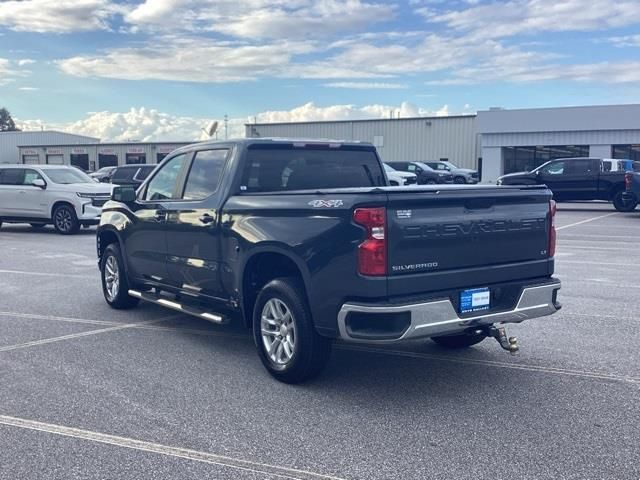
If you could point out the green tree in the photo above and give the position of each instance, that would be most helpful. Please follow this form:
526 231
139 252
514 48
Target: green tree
6 122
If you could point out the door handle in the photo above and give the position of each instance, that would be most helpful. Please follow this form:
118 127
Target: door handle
160 216
206 218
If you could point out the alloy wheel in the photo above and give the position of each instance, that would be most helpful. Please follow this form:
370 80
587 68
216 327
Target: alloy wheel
63 219
278 328
111 277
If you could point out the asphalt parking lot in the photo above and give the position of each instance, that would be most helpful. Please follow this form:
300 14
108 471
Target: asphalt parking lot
89 392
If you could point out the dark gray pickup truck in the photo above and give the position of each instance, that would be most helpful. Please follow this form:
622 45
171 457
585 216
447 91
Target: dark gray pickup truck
304 242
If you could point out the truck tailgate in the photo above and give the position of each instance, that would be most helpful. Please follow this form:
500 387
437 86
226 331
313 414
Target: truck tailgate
466 236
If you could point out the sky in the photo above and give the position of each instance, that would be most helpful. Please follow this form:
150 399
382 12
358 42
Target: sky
163 69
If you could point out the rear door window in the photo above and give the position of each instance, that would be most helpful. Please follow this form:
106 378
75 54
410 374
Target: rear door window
205 174
12 176
273 168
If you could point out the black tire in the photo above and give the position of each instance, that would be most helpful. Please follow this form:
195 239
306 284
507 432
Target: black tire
310 351
38 225
120 298
459 180
464 340
621 205
65 220
431 182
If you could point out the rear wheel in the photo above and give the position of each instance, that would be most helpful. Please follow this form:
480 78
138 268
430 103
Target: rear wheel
65 220
431 182
459 180
115 284
288 344
459 341
622 205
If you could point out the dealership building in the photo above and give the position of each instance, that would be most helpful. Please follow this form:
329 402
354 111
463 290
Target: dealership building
496 141
87 153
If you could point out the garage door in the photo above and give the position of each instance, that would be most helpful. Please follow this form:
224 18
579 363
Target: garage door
55 159
30 159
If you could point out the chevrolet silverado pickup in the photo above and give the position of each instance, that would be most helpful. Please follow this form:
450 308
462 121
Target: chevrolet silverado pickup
305 242
580 179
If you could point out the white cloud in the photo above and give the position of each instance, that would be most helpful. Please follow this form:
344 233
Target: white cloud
187 60
142 124
28 89
274 19
26 61
366 85
502 19
10 70
626 41
59 16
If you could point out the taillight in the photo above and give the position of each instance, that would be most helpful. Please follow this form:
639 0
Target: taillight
627 180
372 253
552 228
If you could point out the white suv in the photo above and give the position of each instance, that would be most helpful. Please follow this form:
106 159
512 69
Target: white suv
42 194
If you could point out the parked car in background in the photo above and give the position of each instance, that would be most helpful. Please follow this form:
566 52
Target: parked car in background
426 175
304 242
50 194
131 174
103 175
460 175
631 195
396 177
580 179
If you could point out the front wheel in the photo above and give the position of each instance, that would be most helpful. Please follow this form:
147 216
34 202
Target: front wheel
459 180
65 220
288 345
115 284
431 182
623 205
464 340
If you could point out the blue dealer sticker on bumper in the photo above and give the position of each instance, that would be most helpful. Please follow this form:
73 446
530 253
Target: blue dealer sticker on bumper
474 300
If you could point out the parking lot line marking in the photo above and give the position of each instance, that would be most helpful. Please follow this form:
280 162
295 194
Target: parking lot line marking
492 363
35 316
46 341
601 263
178 452
586 247
47 274
585 221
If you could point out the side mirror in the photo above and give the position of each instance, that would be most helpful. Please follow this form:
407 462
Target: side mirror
40 183
123 194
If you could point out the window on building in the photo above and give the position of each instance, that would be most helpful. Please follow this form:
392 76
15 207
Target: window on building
629 152
519 159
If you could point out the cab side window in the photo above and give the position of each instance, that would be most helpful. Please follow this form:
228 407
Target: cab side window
411 167
554 168
163 184
30 176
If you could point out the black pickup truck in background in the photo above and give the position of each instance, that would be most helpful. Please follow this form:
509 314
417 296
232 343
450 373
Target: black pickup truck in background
304 242
580 179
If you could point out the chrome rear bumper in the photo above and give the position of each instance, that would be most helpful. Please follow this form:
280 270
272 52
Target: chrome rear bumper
439 317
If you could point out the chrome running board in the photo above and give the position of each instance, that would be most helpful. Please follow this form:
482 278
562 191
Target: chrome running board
179 307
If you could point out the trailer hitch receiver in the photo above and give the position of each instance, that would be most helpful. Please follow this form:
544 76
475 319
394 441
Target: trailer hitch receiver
510 344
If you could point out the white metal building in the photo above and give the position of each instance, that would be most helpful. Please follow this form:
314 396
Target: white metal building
410 139
9 142
92 156
517 140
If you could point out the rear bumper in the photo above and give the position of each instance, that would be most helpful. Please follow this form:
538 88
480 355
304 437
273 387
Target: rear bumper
439 317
